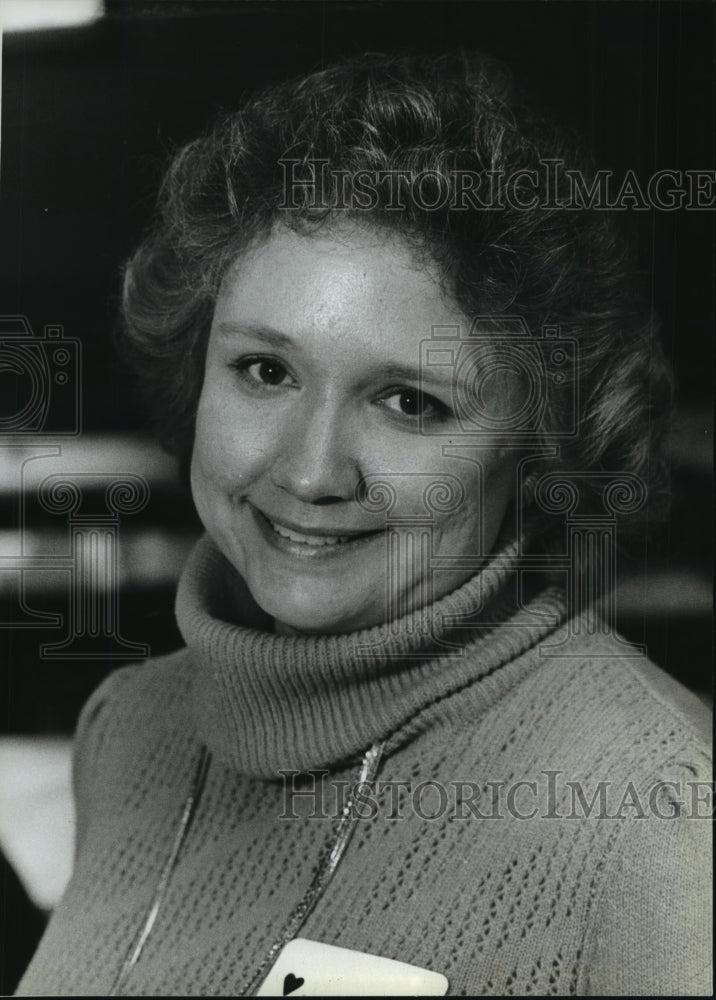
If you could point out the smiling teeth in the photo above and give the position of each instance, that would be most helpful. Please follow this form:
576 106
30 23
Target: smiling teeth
316 540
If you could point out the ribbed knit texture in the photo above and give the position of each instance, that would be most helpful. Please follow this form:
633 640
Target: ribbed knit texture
501 905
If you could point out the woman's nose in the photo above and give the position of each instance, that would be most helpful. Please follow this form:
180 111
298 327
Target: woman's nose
316 461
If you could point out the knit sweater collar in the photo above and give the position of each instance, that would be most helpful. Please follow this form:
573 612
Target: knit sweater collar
264 702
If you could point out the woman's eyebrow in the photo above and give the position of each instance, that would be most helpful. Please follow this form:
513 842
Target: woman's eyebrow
257 331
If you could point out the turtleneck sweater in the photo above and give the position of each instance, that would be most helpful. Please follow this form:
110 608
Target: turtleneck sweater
536 825
282 701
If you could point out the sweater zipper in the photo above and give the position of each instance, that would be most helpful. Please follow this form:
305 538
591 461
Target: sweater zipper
326 870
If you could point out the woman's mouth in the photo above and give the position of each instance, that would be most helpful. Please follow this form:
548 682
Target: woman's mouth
296 536
310 544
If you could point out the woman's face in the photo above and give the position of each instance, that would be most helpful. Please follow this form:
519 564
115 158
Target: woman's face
311 384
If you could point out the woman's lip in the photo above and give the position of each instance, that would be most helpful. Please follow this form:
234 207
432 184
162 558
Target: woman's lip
322 532
325 545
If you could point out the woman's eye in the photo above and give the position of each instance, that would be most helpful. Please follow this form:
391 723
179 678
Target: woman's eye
263 371
413 403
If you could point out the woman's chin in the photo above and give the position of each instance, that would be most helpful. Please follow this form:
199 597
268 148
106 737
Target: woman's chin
288 623
318 618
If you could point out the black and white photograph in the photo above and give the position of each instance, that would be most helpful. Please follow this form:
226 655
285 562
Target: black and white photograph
356 412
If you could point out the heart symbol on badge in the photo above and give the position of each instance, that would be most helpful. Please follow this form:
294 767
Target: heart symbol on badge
292 983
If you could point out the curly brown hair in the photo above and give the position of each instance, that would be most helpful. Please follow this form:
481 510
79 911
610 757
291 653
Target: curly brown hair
411 116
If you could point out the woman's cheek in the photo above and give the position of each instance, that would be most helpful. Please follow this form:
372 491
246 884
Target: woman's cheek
234 445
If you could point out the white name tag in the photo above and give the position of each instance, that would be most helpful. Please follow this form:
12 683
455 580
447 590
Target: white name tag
311 969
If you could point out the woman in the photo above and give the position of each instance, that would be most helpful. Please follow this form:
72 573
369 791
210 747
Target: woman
410 383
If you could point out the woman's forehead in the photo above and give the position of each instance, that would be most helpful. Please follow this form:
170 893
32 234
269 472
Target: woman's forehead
345 281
